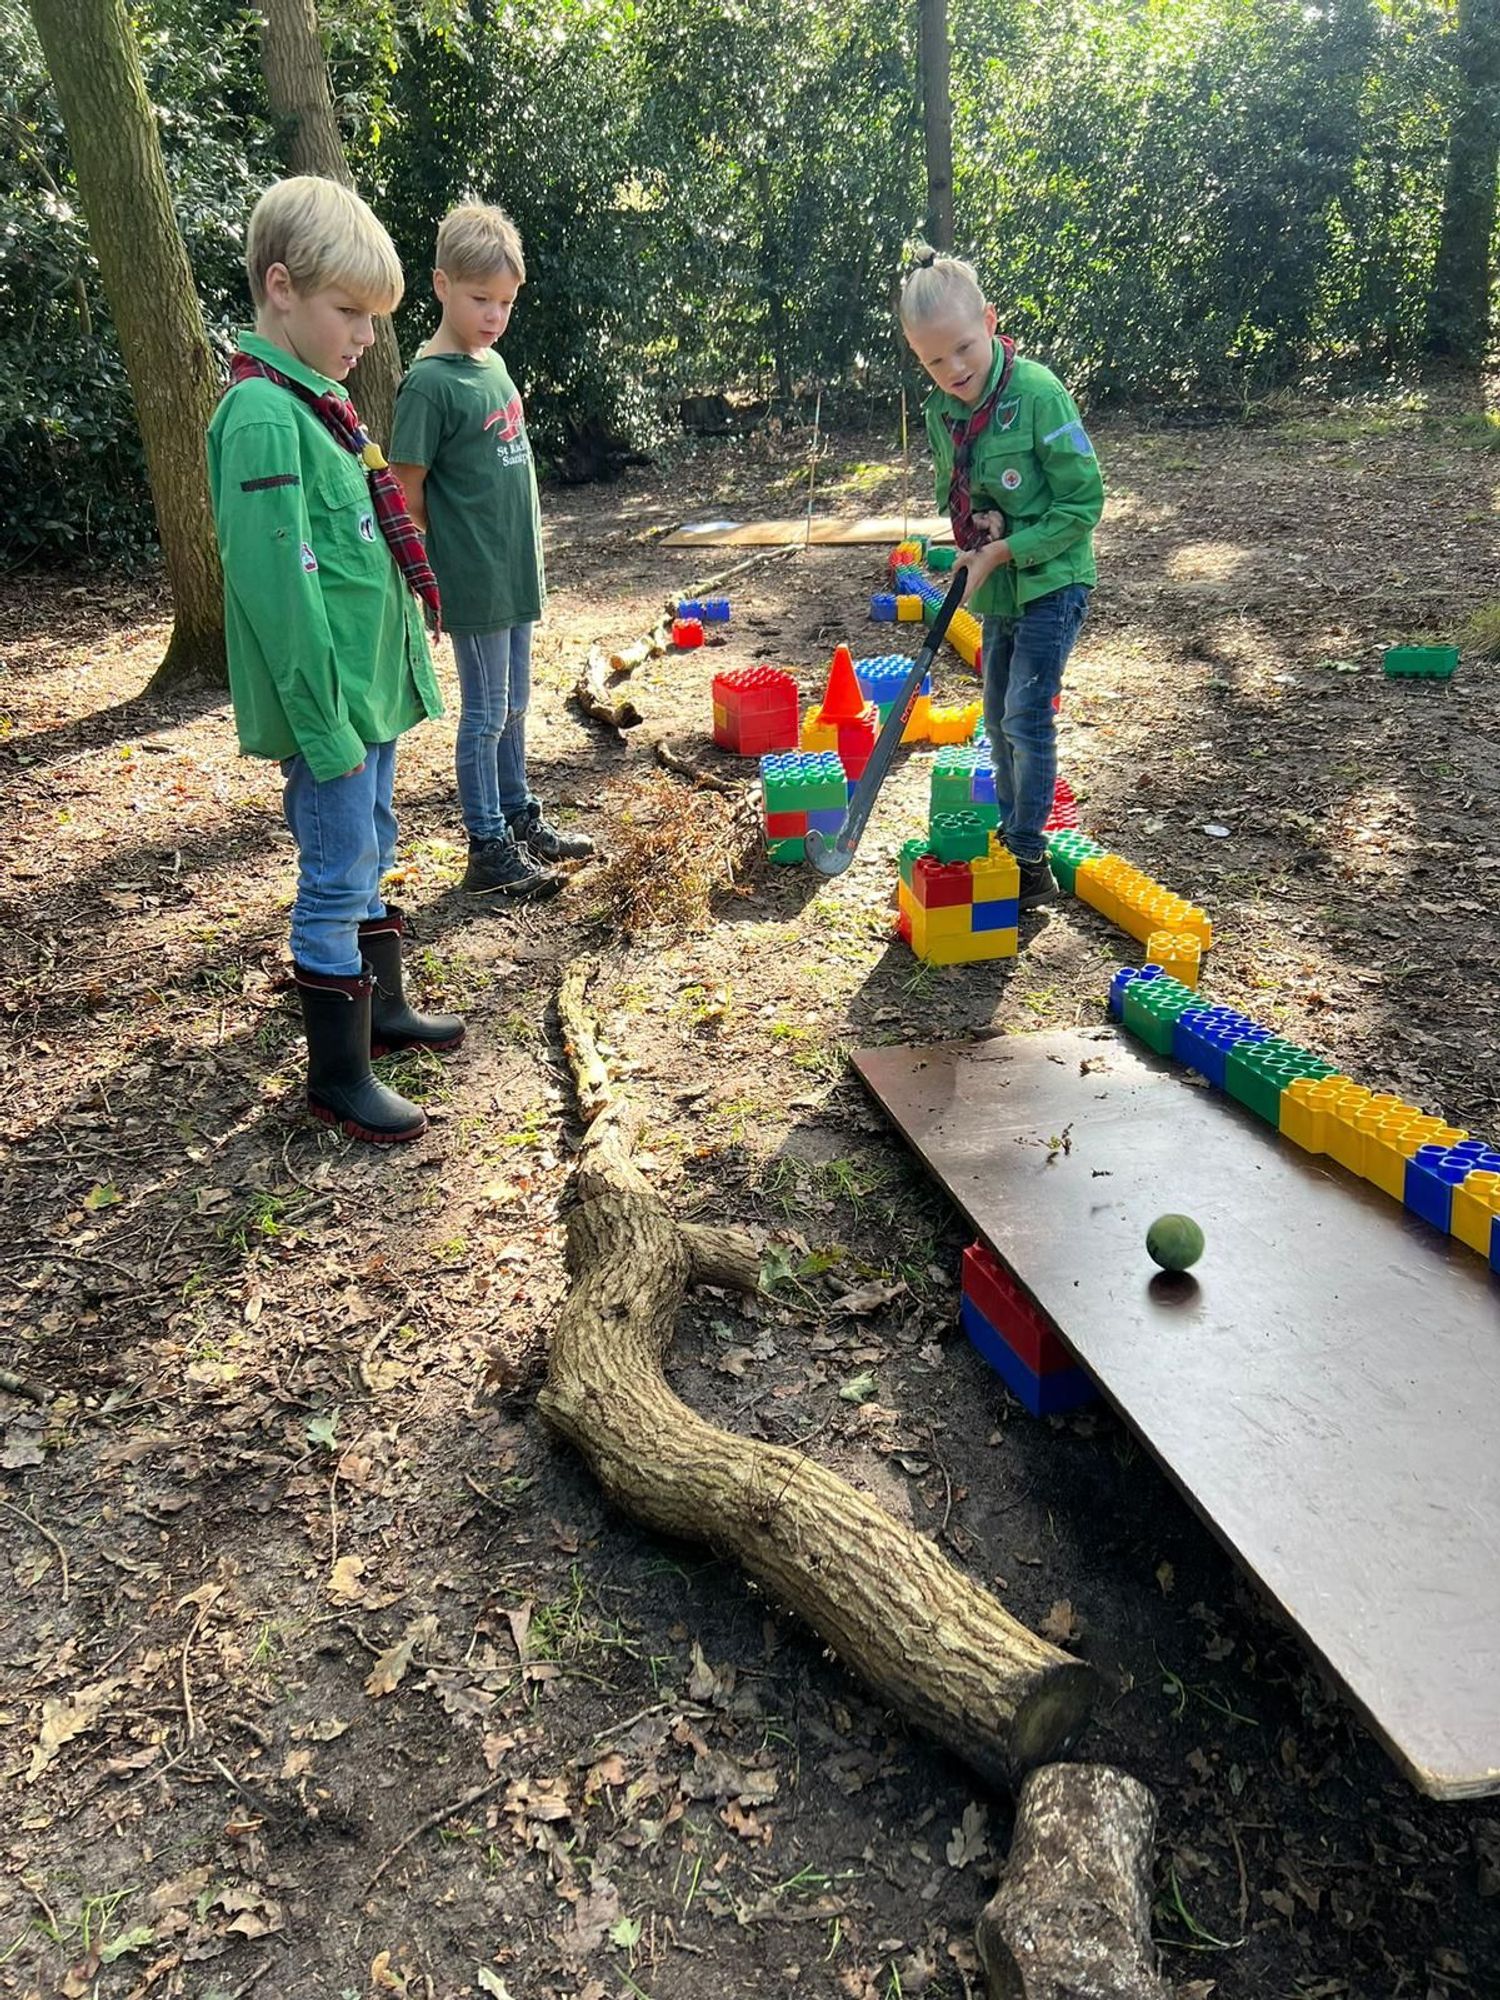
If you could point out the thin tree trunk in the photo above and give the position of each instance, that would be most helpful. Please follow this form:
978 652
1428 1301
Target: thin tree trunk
301 101
937 122
1458 313
96 73
925 1637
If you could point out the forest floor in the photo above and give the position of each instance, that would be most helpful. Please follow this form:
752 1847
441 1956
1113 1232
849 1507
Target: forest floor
294 1567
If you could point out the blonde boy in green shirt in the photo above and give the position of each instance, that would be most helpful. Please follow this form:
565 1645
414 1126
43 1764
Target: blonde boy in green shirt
324 587
464 459
1017 474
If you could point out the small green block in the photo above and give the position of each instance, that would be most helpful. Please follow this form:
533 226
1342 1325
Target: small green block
959 836
941 560
1435 663
911 853
784 852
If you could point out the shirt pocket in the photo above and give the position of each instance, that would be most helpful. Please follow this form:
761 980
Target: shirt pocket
1010 478
347 538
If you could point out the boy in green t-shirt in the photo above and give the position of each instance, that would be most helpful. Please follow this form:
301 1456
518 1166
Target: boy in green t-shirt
1018 476
325 582
462 455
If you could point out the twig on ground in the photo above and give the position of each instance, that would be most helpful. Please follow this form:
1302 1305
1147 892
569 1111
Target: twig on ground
17 1385
592 696
434 1819
46 1535
672 759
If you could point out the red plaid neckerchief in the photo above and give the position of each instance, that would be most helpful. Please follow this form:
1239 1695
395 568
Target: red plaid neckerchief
965 431
341 420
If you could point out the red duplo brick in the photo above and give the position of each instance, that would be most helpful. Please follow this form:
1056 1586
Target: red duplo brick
786 825
939 885
1013 1313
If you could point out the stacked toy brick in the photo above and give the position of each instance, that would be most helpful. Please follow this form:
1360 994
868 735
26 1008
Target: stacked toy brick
1125 894
801 789
881 679
1434 1169
755 710
958 900
1017 1339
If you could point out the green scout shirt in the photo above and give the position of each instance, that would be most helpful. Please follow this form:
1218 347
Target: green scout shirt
1033 462
460 416
327 651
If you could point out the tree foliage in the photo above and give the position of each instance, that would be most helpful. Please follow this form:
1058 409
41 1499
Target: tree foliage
1170 199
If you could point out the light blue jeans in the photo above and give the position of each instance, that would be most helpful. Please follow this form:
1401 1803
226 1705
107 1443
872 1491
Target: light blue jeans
1023 660
494 680
345 830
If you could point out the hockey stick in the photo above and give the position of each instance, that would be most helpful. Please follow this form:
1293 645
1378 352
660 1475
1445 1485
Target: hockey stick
831 853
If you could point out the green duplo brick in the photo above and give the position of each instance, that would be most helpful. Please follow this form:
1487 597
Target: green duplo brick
1257 1074
941 560
958 836
988 816
911 853
785 852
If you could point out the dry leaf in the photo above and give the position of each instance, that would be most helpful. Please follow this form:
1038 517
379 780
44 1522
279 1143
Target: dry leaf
491 1983
390 1669
1060 1625
869 1298
65 1716
343 1580
518 1617
298 1763
969 1841
596 1914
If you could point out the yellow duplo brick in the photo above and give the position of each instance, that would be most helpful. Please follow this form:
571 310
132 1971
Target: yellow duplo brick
948 920
906 902
818 735
908 610
1476 1203
919 722
1301 1113
1342 1139
1089 884
997 877
1390 1142
970 948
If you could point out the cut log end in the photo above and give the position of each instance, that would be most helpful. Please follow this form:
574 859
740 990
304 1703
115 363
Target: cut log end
1051 1718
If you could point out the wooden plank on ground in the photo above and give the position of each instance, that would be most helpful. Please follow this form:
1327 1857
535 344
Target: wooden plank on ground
826 532
1325 1387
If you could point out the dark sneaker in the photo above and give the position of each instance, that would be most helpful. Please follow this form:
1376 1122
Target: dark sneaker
549 843
504 868
1038 883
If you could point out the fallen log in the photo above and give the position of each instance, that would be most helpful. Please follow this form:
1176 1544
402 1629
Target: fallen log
927 1640
592 695
1071 1919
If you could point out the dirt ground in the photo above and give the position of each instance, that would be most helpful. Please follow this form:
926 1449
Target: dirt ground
295 1571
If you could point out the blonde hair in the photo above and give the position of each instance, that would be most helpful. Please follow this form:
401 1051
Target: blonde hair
325 235
478 240
939 285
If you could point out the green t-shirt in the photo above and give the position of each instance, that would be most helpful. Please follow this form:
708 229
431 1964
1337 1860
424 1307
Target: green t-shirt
460 416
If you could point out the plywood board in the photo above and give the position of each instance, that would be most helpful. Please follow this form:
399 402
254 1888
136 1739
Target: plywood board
885 529
1325 1387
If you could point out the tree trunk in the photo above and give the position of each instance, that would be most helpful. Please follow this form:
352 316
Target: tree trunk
1071 1919
1458 310
301 101
924 1637
174 381
937 122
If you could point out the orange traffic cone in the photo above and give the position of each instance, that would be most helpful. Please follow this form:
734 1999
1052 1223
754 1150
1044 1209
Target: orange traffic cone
843 701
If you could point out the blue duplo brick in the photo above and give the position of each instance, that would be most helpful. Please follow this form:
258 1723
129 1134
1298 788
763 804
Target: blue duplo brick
1002 916
827 819
1433 1172
1042 1395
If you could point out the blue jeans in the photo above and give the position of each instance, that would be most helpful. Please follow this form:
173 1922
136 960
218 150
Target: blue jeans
494 680
1023 660
345 830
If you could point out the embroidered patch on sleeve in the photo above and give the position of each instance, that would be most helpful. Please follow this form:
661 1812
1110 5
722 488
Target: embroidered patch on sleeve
271 479
1074 435
308 559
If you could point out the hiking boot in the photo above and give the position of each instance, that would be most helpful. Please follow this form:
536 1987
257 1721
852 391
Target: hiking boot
342 1089
1038 883
504 868
393 1024
546 842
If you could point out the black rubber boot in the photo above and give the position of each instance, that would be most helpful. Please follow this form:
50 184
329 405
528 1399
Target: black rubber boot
342 1089
393 1024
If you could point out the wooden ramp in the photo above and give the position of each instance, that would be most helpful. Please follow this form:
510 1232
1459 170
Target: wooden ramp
885 529
1324 1388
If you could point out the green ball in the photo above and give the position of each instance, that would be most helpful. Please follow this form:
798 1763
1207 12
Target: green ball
1174 1242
